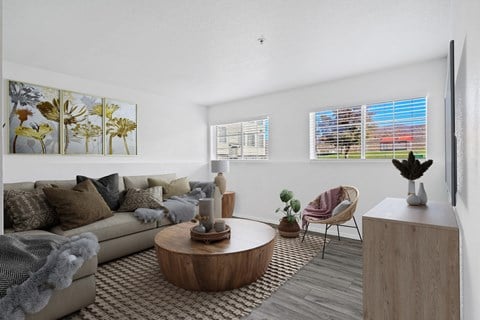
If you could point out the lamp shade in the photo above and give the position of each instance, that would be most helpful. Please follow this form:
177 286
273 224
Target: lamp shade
220 165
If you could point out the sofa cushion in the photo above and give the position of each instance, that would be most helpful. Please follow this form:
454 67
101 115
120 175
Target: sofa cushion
138 198
107 187
141 182
116 226
173 188
77 207
64 184
25 186
29 210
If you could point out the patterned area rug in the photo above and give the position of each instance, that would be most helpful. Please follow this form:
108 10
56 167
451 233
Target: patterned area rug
134 288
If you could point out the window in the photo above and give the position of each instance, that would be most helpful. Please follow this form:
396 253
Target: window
222 135
384 130
246 140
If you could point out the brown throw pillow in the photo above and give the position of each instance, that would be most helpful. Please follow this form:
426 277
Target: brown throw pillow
29 210
173 188
77 207
150 198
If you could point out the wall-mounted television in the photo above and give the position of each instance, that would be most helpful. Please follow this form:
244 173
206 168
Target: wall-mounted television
450 138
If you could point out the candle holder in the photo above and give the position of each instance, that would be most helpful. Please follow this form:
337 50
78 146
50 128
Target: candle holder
211 236
205 212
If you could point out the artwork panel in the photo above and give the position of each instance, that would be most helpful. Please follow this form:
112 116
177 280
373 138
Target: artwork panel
83 123
121 127
33 118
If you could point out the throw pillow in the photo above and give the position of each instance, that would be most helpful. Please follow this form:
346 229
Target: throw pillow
340 207
156 192
7 222
173 188
197 194
29 210
78 206
107 187
150 198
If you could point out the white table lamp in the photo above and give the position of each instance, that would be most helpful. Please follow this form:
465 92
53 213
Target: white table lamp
220 166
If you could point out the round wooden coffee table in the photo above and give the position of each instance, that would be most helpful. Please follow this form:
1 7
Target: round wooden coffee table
218 266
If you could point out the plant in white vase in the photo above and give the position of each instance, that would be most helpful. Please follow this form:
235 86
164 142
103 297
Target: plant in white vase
412 169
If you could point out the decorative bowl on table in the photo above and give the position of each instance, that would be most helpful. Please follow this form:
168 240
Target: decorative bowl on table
210 236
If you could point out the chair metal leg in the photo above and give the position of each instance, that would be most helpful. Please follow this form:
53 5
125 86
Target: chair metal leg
306 229
356 226
338 232
324 240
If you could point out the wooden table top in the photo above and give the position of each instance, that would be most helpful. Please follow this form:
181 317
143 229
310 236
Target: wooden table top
245 235
436 214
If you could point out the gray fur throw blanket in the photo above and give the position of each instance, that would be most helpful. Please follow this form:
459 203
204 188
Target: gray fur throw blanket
32 266
147 215
180 208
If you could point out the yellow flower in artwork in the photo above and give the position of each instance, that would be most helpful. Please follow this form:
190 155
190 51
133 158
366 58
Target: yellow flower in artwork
50 110
97 110
72 114
87 131
38 132
119 127
109 110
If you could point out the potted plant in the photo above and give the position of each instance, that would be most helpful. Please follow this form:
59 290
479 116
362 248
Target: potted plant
288 226
412 169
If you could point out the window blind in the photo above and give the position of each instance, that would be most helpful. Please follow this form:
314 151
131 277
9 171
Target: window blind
377 131
247 140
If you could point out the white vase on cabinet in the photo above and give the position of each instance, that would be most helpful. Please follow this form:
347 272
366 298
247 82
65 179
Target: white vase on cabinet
422 195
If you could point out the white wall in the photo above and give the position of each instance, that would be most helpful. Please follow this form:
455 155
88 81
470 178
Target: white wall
467 68
171 135
258 183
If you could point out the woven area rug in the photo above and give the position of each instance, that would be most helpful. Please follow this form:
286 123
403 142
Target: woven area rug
134 287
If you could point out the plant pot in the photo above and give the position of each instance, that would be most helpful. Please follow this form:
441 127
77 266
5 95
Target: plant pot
288 229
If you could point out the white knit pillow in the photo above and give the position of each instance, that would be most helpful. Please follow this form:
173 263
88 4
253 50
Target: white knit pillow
340 207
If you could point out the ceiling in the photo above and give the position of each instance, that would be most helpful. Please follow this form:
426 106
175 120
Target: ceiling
207 51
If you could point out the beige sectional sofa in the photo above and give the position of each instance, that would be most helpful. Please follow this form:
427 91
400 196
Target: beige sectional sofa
119 235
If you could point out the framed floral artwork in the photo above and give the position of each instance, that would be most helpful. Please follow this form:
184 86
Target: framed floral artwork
120 127
34 115
45 120
82 123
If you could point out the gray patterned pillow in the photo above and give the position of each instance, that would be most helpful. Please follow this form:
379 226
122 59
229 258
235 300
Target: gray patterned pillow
30 210
150 198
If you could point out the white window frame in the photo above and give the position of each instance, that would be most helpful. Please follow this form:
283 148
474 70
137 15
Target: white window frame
363 139
243 140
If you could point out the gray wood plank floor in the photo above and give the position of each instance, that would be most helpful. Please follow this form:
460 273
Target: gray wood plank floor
324 289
